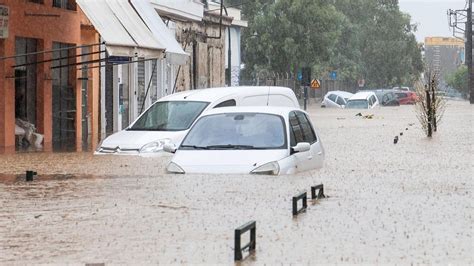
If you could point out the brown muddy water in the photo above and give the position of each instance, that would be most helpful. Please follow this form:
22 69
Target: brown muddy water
404 203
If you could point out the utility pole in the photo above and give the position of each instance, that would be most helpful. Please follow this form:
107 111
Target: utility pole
469 52
464 17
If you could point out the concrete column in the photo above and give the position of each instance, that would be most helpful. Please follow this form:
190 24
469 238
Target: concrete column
7 98
94 87
44 92
77 83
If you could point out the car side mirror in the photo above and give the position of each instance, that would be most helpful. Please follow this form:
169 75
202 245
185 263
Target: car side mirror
301 147
170 147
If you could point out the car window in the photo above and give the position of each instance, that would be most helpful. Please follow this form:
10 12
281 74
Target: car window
296 132
357 104
401 95
340 101
169 116
332 97
308 131
226 103
374 100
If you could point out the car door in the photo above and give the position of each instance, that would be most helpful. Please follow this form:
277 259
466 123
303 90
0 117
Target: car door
375 102
316 152
332 100
340 102
302 131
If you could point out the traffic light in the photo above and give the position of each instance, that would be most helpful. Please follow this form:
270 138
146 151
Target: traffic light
306 73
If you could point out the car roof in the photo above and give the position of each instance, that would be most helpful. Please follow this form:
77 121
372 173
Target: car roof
214 94
362 95
344 94
277 110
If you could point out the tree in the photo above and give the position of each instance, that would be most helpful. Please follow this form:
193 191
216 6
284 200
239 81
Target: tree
384 49
459 81
287 35
369 39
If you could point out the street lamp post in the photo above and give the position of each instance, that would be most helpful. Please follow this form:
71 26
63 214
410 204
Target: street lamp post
469 52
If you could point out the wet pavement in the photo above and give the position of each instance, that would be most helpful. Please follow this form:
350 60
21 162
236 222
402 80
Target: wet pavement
404 203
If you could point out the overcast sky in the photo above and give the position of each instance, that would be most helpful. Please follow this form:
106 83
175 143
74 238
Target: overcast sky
430 15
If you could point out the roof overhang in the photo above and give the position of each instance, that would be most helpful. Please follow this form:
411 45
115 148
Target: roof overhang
174 52
180 9
122 29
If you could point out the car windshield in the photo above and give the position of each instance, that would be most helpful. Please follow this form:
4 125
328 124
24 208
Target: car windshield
357 104
237 131
170 116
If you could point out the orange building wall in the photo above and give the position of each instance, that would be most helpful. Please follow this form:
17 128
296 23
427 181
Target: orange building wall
48 24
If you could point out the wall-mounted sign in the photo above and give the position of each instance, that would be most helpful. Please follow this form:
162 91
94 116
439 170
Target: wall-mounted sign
4 14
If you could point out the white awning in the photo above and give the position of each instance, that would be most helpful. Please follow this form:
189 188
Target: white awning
124 32
174 51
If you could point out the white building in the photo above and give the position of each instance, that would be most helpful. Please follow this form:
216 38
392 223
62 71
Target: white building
235 39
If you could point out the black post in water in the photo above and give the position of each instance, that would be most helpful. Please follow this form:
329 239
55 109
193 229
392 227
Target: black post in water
297 198
252 226
29 175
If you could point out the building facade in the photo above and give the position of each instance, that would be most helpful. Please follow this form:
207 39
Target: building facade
94 66
45 74
233 42
444 55
201 32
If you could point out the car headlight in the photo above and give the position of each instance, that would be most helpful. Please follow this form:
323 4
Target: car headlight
155 146
271 168
174 168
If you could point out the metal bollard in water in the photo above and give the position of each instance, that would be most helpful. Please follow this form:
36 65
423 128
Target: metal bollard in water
320 194
29 175
252 226
296 198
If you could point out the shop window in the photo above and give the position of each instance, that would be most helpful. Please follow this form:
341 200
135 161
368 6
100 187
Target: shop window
64 97
25 79
66 4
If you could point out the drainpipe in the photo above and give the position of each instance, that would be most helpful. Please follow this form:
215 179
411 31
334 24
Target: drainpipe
229 59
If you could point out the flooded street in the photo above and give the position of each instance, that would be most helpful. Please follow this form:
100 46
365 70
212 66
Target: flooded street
405 203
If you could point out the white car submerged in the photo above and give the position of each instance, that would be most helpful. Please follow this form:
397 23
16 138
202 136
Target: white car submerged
243 140
363 100
336 99
169 119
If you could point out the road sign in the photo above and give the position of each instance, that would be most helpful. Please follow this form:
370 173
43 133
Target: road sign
300 75
361 83
315 84
118 59
333 75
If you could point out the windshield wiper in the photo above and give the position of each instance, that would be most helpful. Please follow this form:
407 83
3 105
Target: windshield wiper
234 147
195 147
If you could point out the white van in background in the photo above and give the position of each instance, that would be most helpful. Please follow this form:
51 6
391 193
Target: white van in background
169 119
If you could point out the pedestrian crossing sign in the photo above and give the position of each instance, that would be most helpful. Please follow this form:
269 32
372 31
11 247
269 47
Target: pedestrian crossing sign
315 84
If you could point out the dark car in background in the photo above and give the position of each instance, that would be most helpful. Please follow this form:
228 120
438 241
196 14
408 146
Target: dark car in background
387 97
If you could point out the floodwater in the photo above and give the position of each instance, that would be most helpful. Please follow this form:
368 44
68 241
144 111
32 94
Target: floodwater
405 203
